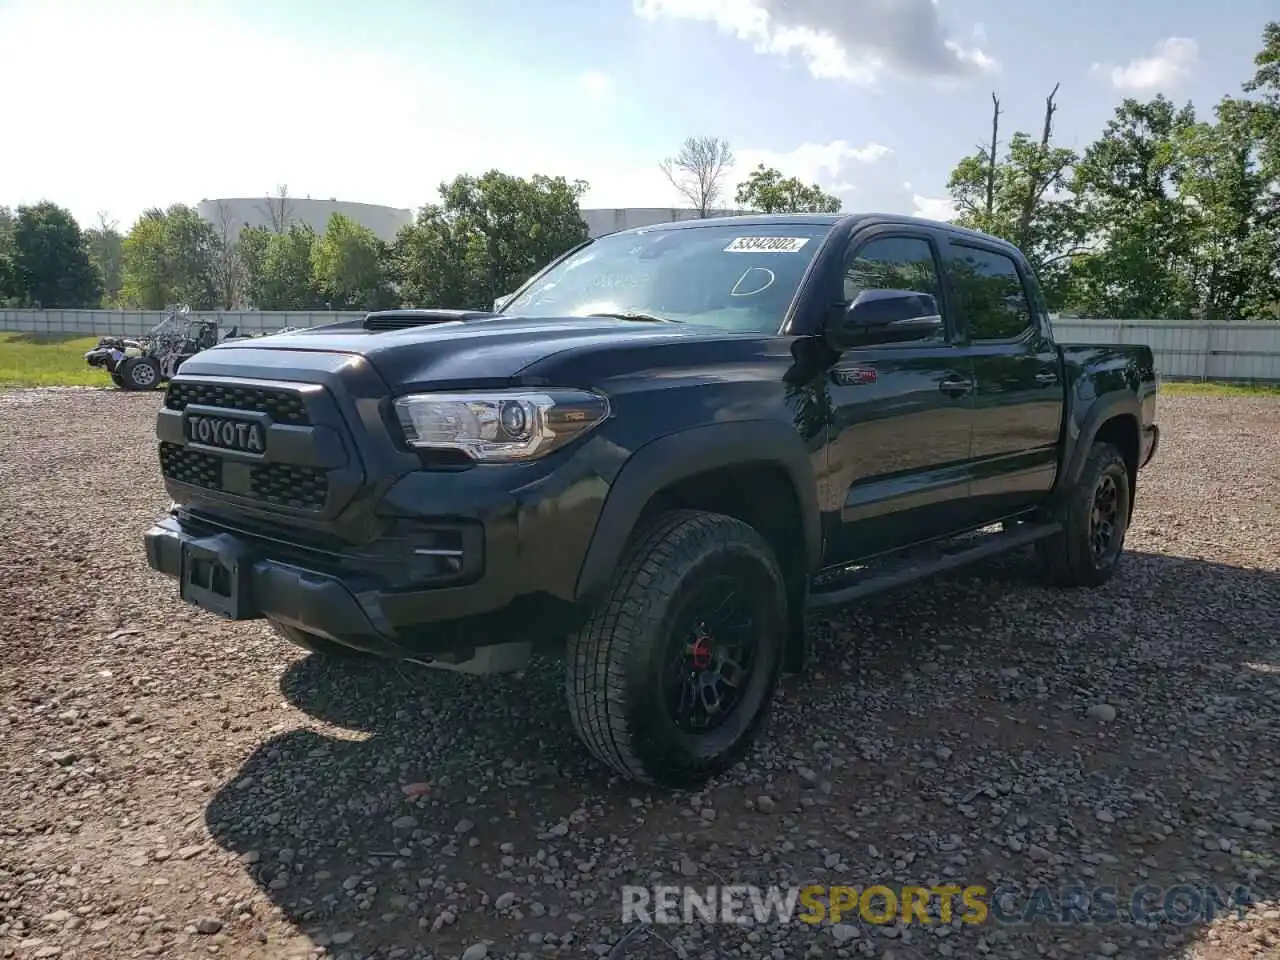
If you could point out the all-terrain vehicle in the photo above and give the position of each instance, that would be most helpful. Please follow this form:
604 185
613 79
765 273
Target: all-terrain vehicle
142 363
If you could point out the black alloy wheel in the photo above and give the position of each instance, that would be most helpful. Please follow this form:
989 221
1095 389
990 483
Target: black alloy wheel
712 653
1104 521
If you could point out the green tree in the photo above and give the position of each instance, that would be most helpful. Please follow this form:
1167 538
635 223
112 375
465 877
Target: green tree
1223 185
429 261
766 191
278 267
8 269
171 256
1164 215
346 263
106 250
1128 185
50 260
486 236
1264 85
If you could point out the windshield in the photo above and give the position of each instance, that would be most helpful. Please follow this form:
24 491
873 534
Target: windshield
737 277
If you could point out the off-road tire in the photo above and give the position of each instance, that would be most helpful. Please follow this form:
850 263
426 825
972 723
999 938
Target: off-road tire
1065 558
316 644
117 380
613 663
139 373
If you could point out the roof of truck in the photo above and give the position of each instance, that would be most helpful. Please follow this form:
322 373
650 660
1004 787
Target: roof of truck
816 219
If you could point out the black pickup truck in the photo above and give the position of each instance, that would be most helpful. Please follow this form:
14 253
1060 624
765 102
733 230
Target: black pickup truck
671 445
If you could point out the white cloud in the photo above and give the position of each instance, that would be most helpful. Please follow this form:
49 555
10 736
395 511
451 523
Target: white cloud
118 126
298 117
854 40
597 86
822 163
932 208
1172 60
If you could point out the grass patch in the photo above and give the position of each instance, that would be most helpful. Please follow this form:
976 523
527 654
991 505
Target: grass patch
1205 389
48 360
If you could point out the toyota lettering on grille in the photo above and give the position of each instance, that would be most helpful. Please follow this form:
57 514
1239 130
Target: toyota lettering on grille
242 435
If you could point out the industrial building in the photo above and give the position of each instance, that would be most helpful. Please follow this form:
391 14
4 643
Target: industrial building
602 221
229 215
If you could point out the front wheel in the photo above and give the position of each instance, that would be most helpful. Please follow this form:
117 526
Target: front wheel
140 373
671 677
1095 518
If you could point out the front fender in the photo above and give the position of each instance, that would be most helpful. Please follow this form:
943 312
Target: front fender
679 456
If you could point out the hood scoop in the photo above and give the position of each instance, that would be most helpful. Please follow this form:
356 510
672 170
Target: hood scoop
405 319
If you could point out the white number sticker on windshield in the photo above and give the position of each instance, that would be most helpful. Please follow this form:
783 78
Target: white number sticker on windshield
766 244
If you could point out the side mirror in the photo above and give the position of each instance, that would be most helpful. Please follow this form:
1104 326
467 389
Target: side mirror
886 316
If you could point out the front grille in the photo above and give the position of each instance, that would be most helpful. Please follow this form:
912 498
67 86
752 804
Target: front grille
282 406
190 466
287 485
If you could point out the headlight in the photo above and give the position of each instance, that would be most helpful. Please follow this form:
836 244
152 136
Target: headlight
499 426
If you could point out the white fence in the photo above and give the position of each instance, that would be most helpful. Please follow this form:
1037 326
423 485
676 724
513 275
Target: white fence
133 323
1243 352
1183 350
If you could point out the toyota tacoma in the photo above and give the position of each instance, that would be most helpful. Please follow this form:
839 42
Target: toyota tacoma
668 447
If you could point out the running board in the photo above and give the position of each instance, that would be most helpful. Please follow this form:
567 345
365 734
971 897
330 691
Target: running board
855 583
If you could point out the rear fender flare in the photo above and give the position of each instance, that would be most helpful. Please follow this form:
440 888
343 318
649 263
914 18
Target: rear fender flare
1108 406
682 455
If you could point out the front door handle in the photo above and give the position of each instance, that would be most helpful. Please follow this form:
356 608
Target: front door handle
1046 377
955 386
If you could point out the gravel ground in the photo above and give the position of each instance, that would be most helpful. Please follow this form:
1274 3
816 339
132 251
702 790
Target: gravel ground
172 786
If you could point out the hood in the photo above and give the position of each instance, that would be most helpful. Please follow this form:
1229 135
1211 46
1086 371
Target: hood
451 347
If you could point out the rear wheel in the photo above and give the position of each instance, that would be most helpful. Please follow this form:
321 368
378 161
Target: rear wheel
316 644
140 373
671 677
1095 519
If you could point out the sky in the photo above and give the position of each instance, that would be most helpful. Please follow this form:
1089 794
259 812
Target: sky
114 106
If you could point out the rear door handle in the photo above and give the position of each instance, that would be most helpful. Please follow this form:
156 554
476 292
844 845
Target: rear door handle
955 386
1046 376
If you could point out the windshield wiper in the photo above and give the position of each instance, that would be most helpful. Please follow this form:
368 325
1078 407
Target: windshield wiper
638 317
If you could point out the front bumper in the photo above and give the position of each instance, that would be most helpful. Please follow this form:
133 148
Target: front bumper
238 578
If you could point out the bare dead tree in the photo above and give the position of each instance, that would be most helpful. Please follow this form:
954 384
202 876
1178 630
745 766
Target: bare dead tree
277 209
230 268
991 159
106 247
1046 171
698 171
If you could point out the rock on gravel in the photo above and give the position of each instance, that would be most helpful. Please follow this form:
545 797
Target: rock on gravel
158 764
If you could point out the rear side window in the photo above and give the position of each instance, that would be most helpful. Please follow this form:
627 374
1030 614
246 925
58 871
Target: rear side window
990 293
